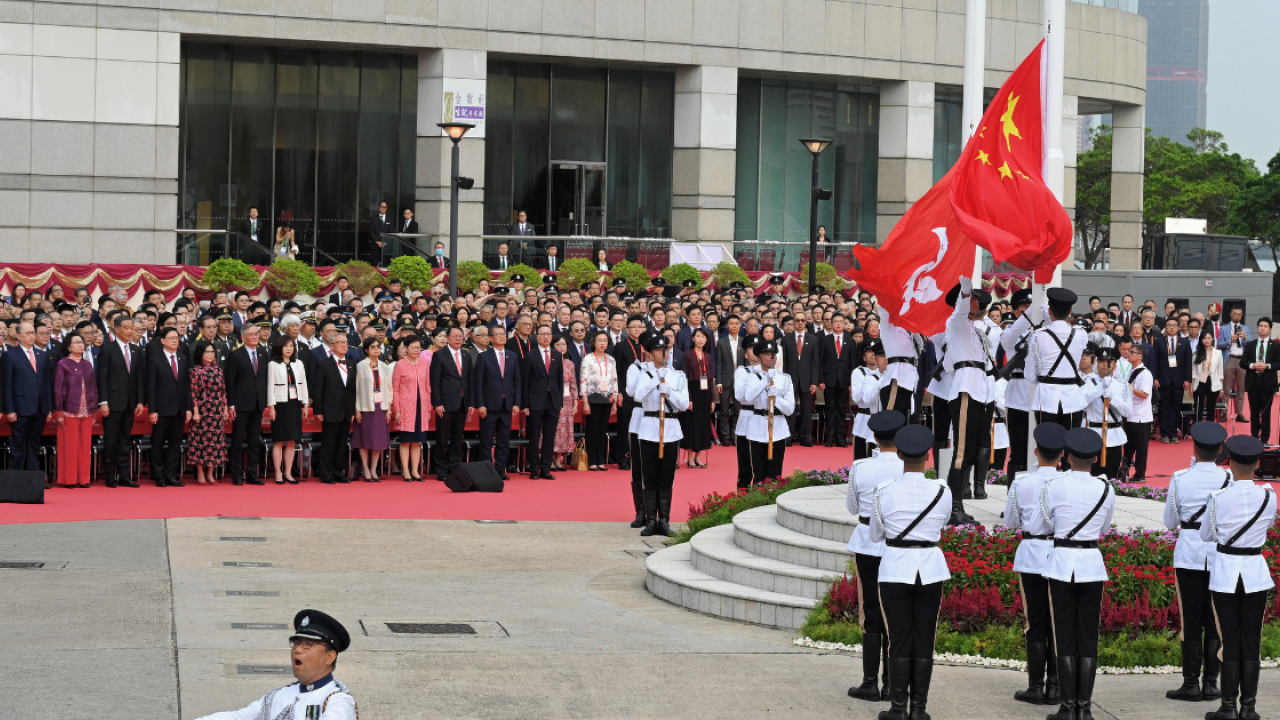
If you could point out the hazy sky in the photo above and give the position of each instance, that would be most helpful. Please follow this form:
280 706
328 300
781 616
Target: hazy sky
1244 90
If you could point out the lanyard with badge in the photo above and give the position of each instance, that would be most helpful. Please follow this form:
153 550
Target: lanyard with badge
293 386
1173 353
702 370
377 384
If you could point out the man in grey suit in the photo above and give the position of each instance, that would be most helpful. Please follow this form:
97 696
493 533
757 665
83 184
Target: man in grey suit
522 226
729 356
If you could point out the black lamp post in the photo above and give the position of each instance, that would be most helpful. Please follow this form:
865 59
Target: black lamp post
815 146
456 130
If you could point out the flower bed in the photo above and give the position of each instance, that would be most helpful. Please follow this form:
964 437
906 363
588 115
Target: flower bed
1123 489
981 611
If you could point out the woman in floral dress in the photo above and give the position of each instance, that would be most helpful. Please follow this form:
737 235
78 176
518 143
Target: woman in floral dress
207 441
565 443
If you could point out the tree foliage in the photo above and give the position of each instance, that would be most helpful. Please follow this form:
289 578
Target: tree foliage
573 273
1093 198
361 276
470 273
1255 210
679 273
231 274
413 271
291 278
636 275
725 273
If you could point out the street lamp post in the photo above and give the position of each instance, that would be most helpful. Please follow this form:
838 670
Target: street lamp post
815 146
455 130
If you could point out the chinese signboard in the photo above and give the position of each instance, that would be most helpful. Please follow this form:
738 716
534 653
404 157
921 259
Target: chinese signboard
464 102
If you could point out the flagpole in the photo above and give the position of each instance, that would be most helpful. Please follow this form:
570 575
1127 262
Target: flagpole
975 70
1055 169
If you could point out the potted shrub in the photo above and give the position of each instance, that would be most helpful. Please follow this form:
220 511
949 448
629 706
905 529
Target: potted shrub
229 274
573 273
532 276
413 271
677 274
291 278
826 275
470 273
636 275
360 275
726 272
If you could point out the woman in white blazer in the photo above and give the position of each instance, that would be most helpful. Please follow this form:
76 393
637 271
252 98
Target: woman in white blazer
287 394
1206 376
371 435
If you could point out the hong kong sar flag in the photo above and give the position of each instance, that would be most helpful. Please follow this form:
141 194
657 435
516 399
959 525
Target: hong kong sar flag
998 191
924 256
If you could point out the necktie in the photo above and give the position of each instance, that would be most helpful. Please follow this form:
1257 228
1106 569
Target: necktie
799 344
502 365
457 359
253 356
128 359
547 354
31 355
838 347
173 363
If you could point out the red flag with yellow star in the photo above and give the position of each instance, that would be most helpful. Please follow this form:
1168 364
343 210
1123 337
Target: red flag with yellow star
998 191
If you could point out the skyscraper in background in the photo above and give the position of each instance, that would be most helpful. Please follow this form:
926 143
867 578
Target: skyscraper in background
1177 65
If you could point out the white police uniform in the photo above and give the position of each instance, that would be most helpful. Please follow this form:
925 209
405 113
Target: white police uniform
864 388
326 699
1017 397
999 414
864 477
1097 390
1184 508
898 383
746 420
1056 379
655 387
1066 503
1022 512
633 441
757 392
971 360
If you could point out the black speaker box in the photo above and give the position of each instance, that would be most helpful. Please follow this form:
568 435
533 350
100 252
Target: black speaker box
1269 464
22 486
474 477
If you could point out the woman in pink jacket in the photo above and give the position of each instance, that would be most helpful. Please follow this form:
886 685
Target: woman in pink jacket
411 406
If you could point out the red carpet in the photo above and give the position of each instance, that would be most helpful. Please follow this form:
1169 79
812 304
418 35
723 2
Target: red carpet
580 496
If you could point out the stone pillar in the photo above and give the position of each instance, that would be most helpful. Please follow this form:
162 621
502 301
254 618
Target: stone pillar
1127 158
462 73
705 156
906 150
1070 149
88 144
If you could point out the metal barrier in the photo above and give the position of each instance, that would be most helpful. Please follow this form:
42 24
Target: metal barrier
786 256
203 246
652 253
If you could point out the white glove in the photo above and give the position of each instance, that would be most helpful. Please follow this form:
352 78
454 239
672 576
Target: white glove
966 285
1044 312
773 391
1106 382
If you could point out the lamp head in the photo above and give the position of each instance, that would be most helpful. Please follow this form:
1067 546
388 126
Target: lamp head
815 145
455 130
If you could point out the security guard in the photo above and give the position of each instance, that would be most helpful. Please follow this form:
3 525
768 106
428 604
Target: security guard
1184 508
633 428
317 640
903 349
1013 342
971 360
907 515
1022 512
1054 363
1079 507
864 386
1103 392
742 376
662 394
864 477
769 428
1237 521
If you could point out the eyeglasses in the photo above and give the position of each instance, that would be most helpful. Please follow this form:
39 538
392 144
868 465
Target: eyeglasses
306 644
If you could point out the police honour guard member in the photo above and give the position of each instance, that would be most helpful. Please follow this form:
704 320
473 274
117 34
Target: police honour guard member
317 695
634 372
1079 506
1236 523
772 399
864 388
1022 512
742 377
1055 351
662 394
865 476
907 515
1184 509
898 381
1014 343
971 361
1109 401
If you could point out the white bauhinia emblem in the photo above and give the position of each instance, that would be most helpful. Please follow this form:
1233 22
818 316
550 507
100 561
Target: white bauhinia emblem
306 620
925 290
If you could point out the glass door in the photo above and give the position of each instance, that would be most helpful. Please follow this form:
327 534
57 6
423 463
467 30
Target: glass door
592 193
577 198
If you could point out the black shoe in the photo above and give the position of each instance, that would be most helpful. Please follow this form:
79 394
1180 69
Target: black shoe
111 483
344 480
664 528
979 489
177 483
1191 659
1034 694
504 477
237 481
968 492
130 483
256 481
1241 418
806 443
1209 684
326 481
870 669
548 476
1249 689
921 676
639 522
1231 682
650 528
899 677
1066 690
826 444
1086 672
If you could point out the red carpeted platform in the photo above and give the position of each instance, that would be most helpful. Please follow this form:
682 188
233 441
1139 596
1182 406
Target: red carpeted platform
572 496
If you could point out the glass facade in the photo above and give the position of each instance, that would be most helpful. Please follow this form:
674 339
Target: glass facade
312 139
774 169
948 106
582 150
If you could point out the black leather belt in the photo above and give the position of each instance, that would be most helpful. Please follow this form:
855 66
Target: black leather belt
762 413
1046 380
653 413
1227 550
975 364
910 543
1190 525
1076 544
1029 536
864 520
999 420
909 360
863 411
1017 375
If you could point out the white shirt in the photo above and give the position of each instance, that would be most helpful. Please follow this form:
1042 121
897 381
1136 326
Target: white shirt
1022 512
1188 497
897 343
651 392
746 419
865 476
967 343
1237 346
1096 391
1042 357
756 394
1018 396
633 377
1066 502
1141 411
864 387
1229 511
333 697
895 505
941 386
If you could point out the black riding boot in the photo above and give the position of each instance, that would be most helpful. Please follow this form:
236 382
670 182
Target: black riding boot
1249 689
1034 693
921 675
1051 675
1230 686
956 482
980 473
1209 683
1066 690
1086 671
884 681
868 690
1192 655
899 675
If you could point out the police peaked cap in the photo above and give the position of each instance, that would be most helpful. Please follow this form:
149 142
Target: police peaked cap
1050 437
913 441
315 625
982 296
1208 435
1244 449
1084 443
886 422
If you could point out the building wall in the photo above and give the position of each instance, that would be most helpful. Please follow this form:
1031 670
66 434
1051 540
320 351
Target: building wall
115 169
1177 66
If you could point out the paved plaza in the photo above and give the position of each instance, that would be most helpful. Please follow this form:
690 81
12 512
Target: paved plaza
144 619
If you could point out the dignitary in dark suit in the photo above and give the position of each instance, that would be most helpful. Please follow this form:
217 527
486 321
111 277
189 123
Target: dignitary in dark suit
333 402
730 355
542 384
802 360
408 225
379 224
28 387
169 401
1173 378
438 260
122 394
625 353
451 389
522 226
838 360
496 392
1262 359
246 373
255 229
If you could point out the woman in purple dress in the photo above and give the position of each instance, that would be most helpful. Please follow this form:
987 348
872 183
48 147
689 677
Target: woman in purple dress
75 405
373 408
207 439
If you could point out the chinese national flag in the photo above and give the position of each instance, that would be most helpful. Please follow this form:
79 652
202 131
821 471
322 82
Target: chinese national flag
998 190
924 256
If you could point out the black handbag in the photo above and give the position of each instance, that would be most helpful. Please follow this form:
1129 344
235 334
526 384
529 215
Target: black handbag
599 398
